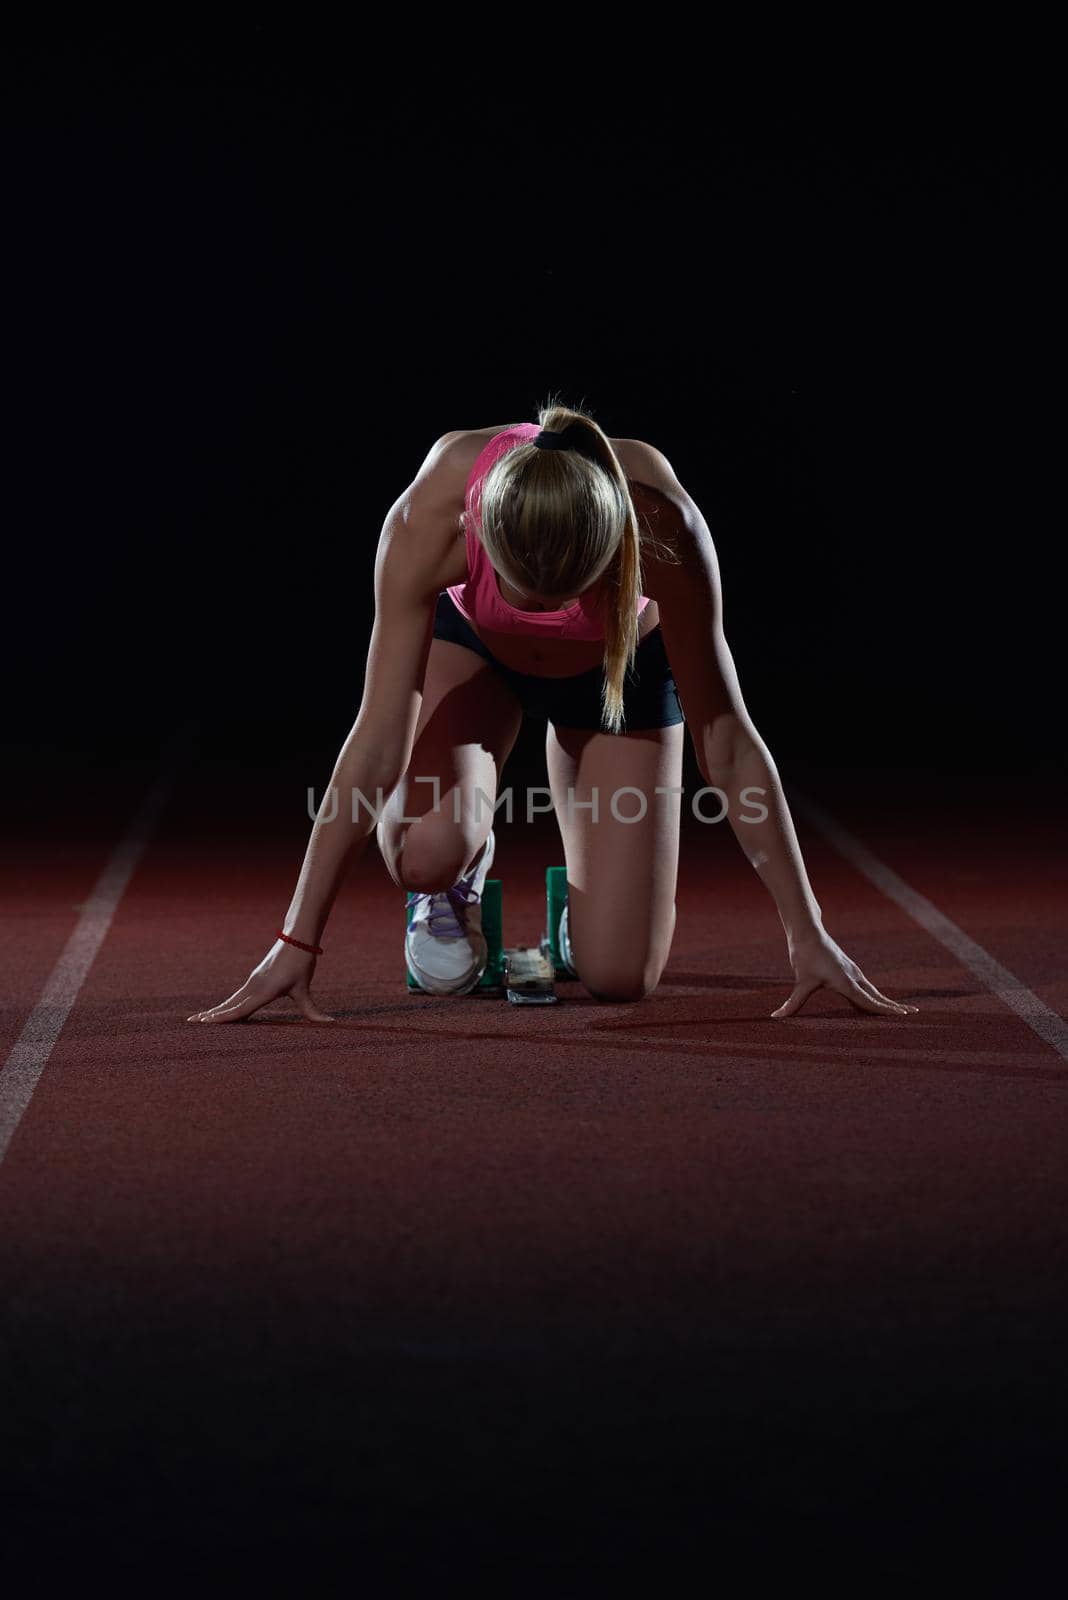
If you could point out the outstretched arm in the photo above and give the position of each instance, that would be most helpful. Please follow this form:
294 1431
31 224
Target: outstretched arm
374 756
732 756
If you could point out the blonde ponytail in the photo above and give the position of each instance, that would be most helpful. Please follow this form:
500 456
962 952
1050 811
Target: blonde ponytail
622 593
560 520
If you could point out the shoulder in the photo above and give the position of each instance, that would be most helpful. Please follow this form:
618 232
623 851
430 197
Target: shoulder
669 512
428 515
441 479
655 487
645 464
429 509
453 455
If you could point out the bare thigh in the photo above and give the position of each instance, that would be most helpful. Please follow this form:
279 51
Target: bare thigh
468 722
621 874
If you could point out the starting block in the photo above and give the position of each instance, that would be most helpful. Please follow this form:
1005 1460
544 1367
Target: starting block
527 974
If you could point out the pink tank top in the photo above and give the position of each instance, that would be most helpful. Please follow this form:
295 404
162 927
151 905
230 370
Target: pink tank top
480 600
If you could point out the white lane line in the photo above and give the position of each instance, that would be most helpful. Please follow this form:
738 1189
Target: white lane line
22 1069
998 979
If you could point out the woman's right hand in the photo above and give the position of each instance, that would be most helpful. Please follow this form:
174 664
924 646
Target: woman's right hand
283 970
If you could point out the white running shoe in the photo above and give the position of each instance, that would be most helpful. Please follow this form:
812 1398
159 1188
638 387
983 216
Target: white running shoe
445 945
564 941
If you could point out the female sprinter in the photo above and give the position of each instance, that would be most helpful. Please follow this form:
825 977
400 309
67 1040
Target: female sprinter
546 570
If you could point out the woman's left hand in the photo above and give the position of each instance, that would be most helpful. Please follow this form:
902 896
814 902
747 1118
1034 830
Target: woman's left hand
818 962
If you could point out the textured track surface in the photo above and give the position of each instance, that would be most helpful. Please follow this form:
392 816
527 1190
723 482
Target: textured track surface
548 1296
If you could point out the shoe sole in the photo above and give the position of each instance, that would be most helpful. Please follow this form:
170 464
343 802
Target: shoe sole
568 966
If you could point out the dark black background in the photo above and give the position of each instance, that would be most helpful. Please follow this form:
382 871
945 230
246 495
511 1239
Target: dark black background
252 279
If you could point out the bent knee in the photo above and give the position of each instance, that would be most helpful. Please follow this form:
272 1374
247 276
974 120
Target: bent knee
427 874
429 860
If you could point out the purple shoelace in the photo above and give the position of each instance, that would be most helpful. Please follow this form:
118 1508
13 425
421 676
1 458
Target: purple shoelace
450 912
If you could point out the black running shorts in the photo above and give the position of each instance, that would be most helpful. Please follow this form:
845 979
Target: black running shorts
650 698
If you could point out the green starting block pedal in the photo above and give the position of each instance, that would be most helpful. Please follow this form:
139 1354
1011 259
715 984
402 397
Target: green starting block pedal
525 973
555 901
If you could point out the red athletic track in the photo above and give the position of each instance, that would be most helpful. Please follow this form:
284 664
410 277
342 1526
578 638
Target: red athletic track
467 1291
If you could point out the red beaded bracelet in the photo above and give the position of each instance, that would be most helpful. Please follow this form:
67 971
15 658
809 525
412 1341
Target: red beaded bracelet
312 949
